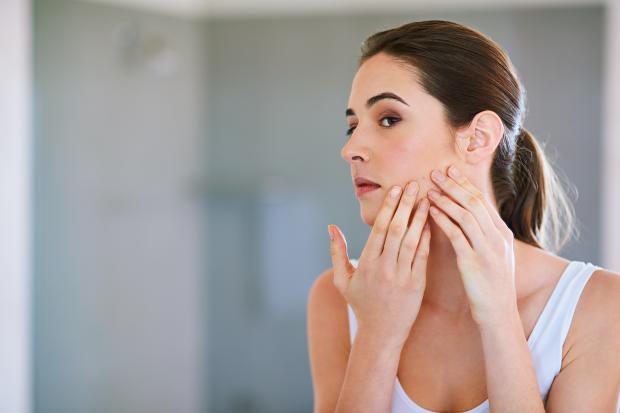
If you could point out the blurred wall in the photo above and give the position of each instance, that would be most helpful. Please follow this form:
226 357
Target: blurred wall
119 127
610 190
278 91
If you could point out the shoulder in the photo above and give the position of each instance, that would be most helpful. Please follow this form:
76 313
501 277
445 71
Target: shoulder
600 299
328 340
596 321
324 297
327 310
589 379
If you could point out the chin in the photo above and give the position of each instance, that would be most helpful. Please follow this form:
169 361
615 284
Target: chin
369 213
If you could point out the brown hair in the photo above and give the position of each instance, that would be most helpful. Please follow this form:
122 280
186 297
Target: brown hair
469 73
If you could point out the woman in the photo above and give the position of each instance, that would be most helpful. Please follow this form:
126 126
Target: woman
462 306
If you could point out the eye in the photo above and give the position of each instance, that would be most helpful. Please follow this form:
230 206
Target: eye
389 119
350 130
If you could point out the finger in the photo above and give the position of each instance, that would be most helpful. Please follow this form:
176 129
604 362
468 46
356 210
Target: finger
376 239
412 237
462 217
491 209
469 197
418 269
343 269
398 226
453 232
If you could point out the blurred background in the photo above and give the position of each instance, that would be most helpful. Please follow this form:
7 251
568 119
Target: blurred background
169 169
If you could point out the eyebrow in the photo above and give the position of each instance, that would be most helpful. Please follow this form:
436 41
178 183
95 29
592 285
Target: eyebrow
371 101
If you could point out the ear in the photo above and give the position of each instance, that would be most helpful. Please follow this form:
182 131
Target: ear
479 140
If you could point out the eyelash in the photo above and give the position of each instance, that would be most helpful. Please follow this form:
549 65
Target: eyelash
350 130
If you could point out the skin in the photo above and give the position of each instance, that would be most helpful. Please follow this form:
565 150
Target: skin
407 148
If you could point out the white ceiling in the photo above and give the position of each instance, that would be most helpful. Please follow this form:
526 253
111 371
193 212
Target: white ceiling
227 8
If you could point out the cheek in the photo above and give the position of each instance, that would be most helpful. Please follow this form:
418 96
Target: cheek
415 157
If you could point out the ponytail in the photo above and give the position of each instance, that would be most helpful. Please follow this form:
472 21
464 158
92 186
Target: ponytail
536 209
468 73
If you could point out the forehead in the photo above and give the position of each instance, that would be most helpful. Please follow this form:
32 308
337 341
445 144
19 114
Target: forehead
382 73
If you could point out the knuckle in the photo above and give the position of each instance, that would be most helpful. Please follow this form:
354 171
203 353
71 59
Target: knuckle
469 218
478 193
410 244
472 200
397 229
452 235
381 227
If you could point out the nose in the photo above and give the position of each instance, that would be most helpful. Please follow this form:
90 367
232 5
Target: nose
354 150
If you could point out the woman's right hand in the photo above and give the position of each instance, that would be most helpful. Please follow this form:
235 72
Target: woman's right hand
385 290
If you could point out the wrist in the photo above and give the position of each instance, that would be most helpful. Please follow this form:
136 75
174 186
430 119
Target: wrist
500 321
380 340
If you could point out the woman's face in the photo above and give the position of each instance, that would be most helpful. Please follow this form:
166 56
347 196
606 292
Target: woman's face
391 141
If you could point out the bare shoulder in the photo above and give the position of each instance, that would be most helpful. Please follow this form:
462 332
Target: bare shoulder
328 307
328 340
589 379
596 321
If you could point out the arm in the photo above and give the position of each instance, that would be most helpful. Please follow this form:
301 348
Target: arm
332 357
328 341
364 392
511 380
589 380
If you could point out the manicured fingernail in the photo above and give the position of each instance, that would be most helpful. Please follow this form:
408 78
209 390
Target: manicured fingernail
411 188
438 176
395 191
433 194
454 171
329 231
434 210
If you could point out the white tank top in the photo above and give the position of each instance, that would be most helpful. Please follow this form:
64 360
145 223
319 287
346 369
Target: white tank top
545 341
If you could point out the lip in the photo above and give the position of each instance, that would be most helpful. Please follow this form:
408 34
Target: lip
360 180
364 189
364 185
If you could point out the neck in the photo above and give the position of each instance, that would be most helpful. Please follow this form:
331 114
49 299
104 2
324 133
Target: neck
445 294
444 291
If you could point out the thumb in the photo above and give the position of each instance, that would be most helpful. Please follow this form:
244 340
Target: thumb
343 269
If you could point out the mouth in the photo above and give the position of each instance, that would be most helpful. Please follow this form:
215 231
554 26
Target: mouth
364 185
364 189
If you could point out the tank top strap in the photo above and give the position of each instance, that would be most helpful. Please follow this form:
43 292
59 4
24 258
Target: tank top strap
557 315
352 320
572 293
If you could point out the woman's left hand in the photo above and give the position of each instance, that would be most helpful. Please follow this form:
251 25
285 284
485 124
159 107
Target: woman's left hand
483 244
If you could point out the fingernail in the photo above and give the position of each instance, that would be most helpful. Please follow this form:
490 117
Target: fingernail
329 231
411 188
395 191
454 171
438 176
